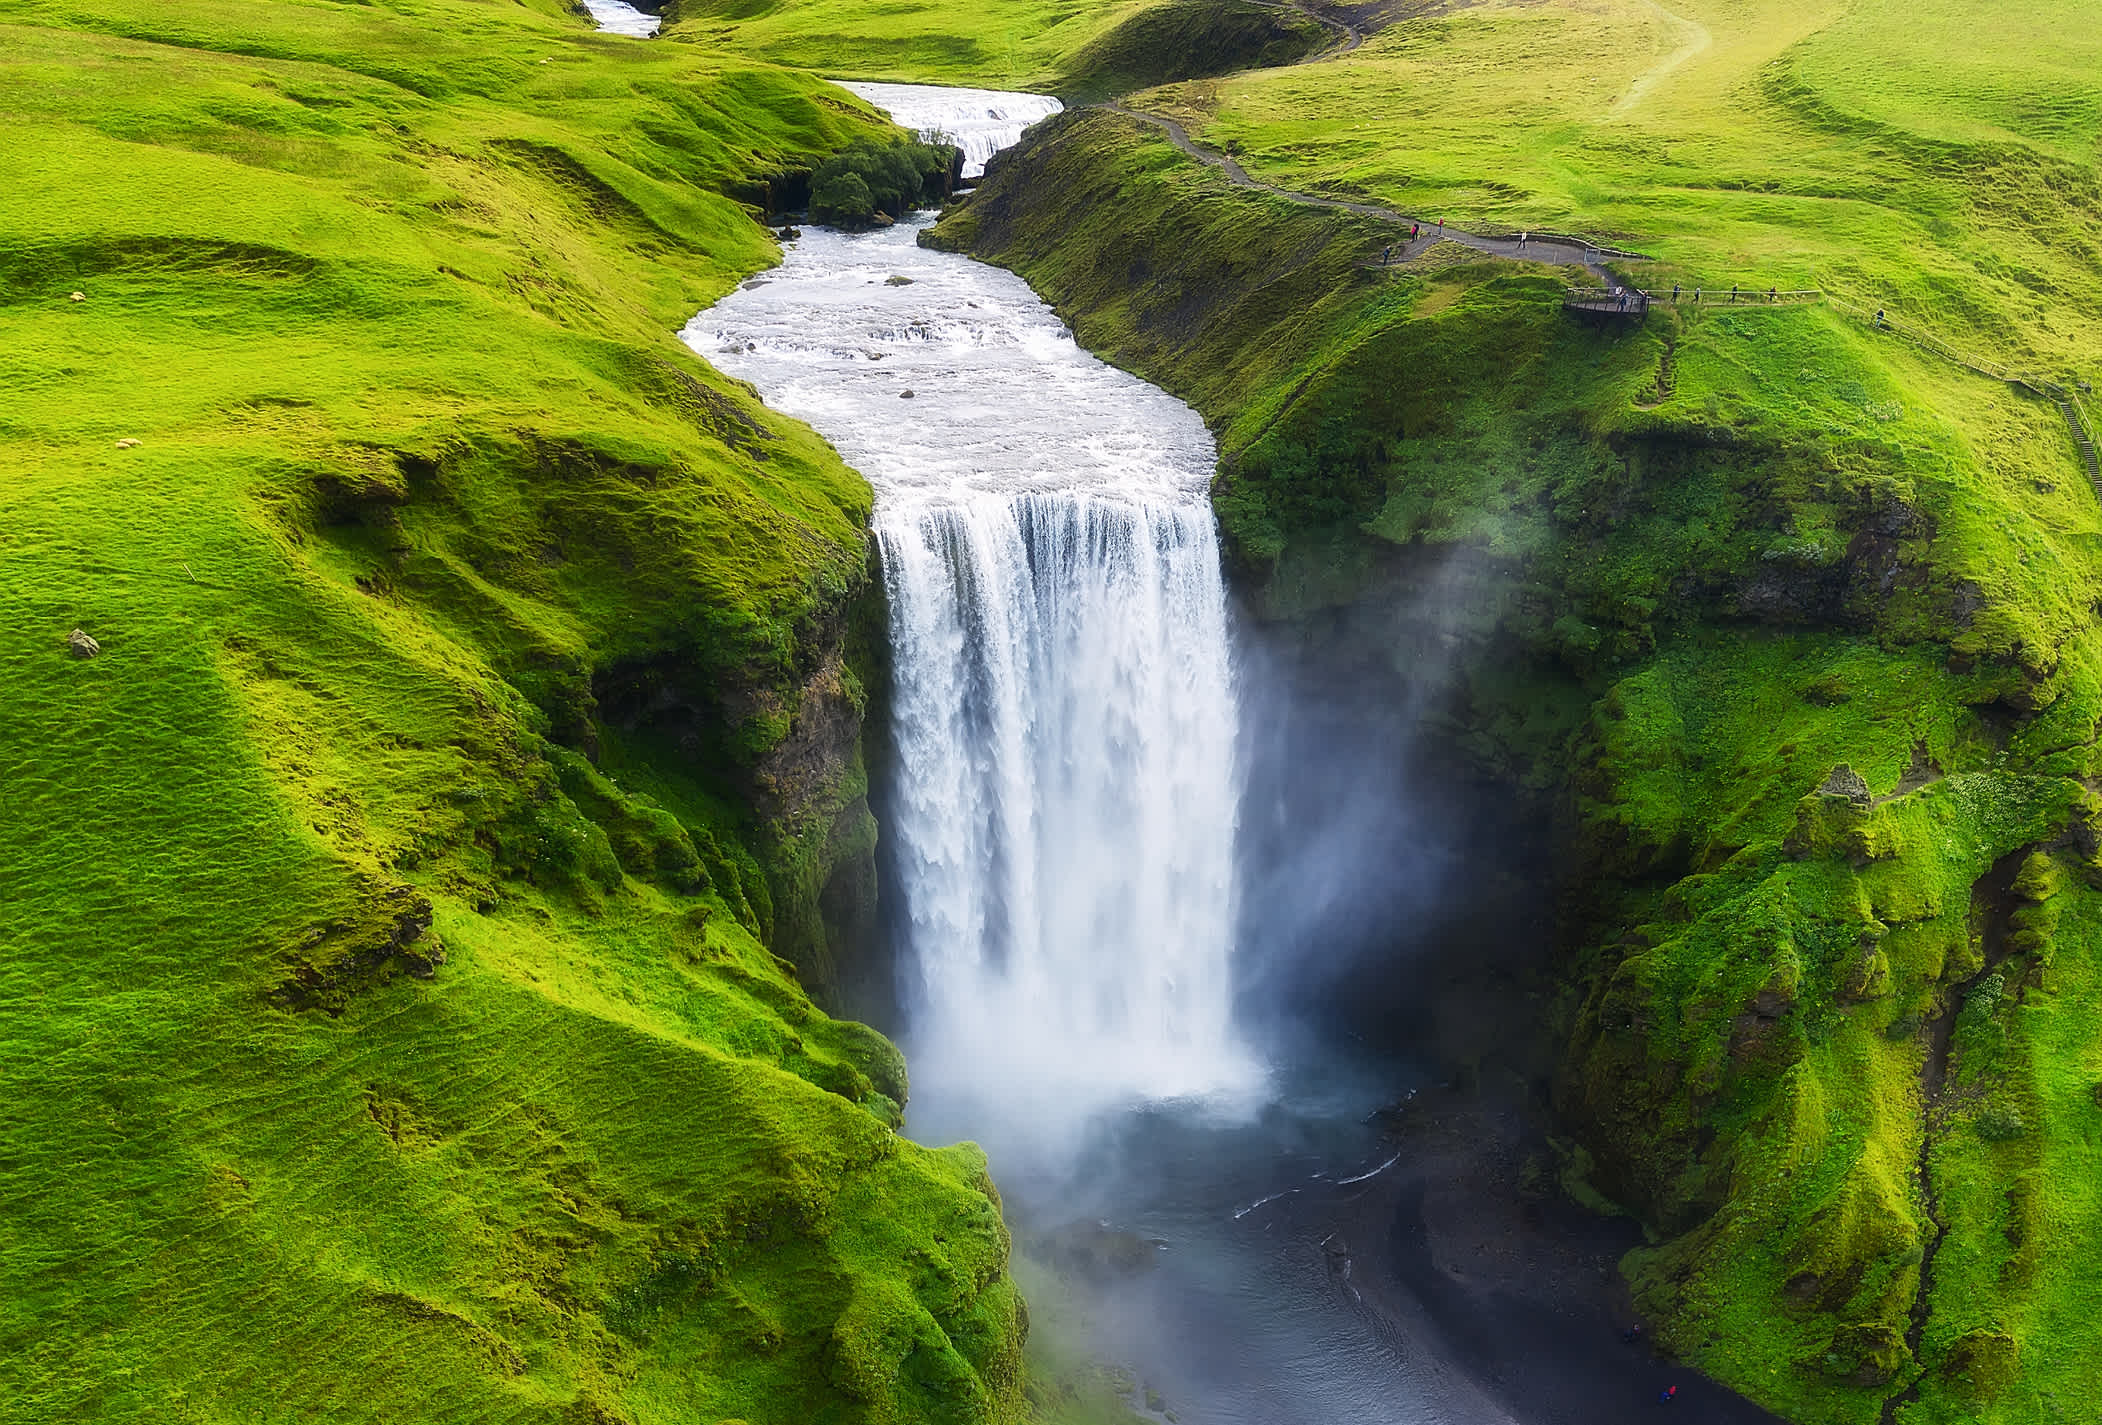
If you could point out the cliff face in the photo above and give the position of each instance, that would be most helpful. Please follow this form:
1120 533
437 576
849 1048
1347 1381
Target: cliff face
1800 685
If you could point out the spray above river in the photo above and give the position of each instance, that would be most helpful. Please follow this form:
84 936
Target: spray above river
1064 718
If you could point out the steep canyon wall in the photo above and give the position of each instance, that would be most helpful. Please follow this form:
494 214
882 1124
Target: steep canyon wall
1725 603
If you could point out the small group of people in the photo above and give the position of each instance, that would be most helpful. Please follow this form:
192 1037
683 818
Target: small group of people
1386 254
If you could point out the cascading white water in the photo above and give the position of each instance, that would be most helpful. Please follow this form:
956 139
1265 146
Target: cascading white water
618 18
1063 713
1064 732
981 122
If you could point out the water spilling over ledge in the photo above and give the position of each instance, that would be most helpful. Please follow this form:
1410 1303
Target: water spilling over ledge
616 17
981 122
1064 717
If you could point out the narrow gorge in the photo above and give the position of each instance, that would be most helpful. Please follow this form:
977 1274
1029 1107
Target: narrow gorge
1131 1004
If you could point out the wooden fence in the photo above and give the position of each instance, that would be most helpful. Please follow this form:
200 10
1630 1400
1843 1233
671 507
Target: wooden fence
1634 301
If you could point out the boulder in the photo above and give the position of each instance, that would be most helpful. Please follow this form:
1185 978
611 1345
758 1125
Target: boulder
1844 781
81 645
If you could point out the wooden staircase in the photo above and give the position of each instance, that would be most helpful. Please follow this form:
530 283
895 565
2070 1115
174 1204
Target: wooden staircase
2082 441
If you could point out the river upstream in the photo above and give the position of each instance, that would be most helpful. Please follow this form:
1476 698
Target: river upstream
1259 1226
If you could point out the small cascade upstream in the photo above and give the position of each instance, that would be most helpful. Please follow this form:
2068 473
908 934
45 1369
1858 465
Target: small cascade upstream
1063 717
981 122
616 17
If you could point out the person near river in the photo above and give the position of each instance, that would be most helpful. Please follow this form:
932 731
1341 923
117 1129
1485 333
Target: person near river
1667 1395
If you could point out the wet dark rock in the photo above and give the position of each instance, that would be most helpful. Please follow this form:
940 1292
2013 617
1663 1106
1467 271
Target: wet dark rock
1843 781
1097 1251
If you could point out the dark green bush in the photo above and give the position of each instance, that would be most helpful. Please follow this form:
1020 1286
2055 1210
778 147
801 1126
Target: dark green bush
854 185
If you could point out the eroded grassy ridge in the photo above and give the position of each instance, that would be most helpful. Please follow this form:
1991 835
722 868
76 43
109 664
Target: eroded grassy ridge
1790 629
392 1028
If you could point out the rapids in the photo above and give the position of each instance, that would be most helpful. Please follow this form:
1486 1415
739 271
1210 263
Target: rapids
981 122
618 18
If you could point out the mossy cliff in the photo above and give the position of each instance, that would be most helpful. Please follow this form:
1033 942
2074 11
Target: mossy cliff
409 903
1787 632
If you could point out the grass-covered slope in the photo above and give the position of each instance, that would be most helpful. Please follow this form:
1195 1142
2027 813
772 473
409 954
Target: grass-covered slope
1079 49
1787 625
392 1024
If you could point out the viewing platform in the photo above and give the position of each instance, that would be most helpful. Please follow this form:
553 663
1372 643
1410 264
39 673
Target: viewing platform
1636 301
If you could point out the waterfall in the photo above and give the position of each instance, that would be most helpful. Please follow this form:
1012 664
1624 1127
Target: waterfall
1065 791
1063 786
981 122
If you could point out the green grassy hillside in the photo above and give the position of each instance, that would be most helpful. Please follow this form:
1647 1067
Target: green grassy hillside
1783 623
394 1024
1079 49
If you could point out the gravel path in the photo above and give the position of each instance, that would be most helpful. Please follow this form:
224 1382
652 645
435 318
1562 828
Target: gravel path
1556 250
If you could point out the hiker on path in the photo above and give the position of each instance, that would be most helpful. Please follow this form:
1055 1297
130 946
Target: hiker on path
1441 227
1879 316
1522 237
1386 255
1414 228
1773 294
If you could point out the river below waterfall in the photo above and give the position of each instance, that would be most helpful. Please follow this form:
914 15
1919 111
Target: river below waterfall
1263 1228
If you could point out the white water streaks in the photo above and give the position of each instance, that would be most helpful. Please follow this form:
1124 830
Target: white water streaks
616 18
981 122
1063 708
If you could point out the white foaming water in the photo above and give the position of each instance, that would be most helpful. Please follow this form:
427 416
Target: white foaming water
1064 712
981 122
617 18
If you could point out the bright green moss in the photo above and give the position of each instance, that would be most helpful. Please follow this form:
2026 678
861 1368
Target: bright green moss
395 1023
